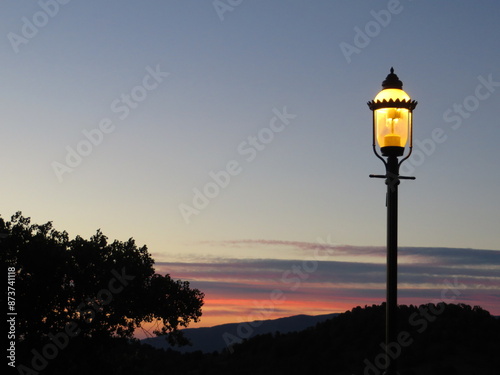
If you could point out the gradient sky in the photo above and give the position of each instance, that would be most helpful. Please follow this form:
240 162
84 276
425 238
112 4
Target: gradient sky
172 92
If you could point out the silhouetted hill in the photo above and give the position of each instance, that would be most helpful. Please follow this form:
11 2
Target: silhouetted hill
444 339
436 339
220 337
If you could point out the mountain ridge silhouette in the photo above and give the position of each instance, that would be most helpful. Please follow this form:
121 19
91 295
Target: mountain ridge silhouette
220 337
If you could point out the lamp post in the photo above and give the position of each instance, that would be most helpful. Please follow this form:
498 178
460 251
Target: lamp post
392 131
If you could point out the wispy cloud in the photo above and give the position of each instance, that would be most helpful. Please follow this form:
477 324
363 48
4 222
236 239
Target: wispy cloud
323 278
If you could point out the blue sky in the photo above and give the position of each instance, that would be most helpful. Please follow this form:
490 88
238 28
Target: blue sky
176 88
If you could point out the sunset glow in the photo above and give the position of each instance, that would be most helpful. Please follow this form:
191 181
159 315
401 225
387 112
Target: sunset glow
235 143
238 290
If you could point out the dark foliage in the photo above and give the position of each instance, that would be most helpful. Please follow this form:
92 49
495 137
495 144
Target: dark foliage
87 291
458 339
435 339
441 339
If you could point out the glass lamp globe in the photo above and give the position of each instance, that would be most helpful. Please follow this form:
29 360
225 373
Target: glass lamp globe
392 117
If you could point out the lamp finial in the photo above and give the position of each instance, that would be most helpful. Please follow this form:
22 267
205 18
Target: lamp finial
392 81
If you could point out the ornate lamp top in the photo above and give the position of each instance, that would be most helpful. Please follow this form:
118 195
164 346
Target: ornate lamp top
392 81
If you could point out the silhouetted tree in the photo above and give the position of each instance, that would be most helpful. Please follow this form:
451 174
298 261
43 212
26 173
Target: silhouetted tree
93 288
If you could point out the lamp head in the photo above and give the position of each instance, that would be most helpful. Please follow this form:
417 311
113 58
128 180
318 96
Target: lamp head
392 117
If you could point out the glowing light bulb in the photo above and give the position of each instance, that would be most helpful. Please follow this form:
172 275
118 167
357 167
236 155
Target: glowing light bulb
392 139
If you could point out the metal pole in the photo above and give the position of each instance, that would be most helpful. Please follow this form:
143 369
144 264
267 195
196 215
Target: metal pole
392 182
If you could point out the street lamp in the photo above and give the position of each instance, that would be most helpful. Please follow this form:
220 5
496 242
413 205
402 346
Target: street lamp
392 131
